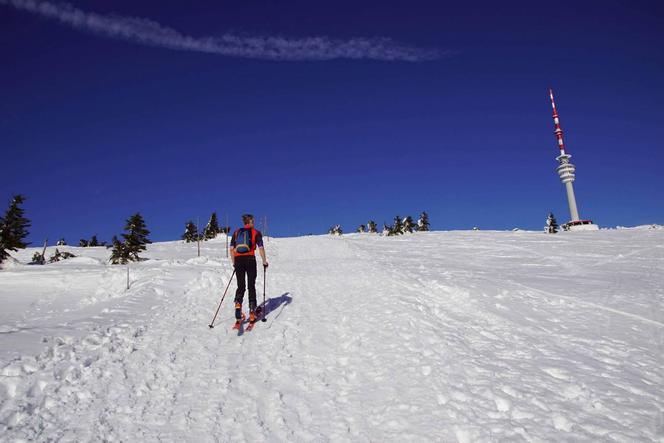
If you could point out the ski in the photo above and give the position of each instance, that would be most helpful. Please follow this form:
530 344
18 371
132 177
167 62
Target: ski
251 324
238 323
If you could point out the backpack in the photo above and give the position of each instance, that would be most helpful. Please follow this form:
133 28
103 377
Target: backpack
244 241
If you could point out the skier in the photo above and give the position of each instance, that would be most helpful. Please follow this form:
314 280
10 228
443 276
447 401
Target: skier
242 251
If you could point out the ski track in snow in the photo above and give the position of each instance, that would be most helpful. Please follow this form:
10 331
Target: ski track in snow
454 336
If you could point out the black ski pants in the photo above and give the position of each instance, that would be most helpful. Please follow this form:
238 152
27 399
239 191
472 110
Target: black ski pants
246 264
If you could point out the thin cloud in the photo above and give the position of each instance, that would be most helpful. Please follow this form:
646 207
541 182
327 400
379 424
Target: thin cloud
148 32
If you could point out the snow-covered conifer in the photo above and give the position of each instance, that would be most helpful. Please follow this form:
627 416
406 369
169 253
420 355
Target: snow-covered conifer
119 254
61 242
551 224
60 256
408 225
423 222
135 236
362 229
371 227
190 232
37 259
336 230
397 228
212 228
13 228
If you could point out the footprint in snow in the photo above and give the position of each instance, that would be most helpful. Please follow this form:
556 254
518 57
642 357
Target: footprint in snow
558 373
502 404
561 423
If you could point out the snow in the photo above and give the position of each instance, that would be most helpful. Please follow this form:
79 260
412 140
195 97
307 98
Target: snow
436 336
641 227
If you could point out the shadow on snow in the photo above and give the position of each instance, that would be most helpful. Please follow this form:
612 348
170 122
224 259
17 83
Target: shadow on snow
272 304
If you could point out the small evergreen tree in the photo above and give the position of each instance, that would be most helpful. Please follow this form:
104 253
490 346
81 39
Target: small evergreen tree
60 256
55 257
135 236
38 259
93 241
61 242
119 255
212 228
372 228
408 225
190 232
551 224
397 228
362 229
336 230
387 230
13 228
423 222
83 243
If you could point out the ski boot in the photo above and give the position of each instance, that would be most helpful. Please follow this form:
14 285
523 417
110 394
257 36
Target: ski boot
239 316
252 320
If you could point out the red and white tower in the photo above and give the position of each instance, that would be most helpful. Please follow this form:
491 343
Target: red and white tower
566 172
566 169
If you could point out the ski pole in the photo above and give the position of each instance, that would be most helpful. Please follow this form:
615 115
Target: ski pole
264 307
211 325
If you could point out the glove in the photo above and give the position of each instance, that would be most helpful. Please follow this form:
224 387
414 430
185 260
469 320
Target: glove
265 265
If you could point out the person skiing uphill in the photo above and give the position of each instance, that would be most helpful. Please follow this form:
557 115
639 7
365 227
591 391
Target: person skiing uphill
242 251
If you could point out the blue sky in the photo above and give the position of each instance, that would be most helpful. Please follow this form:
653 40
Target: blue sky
96 126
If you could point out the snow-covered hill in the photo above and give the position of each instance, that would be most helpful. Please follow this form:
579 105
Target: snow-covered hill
449 336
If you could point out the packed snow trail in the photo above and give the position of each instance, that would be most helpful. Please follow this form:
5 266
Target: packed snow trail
457 336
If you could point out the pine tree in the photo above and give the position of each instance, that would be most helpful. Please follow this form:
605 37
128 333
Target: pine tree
13 228
362 229
212 228
372 228
55 257
83 243
61 242
423 222
551 224
397 229
37 259
93 241
135 237
387 230
408 224
190 232
119 254
60 256
336 230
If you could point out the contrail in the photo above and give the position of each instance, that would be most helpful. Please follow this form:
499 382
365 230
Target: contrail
148 32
